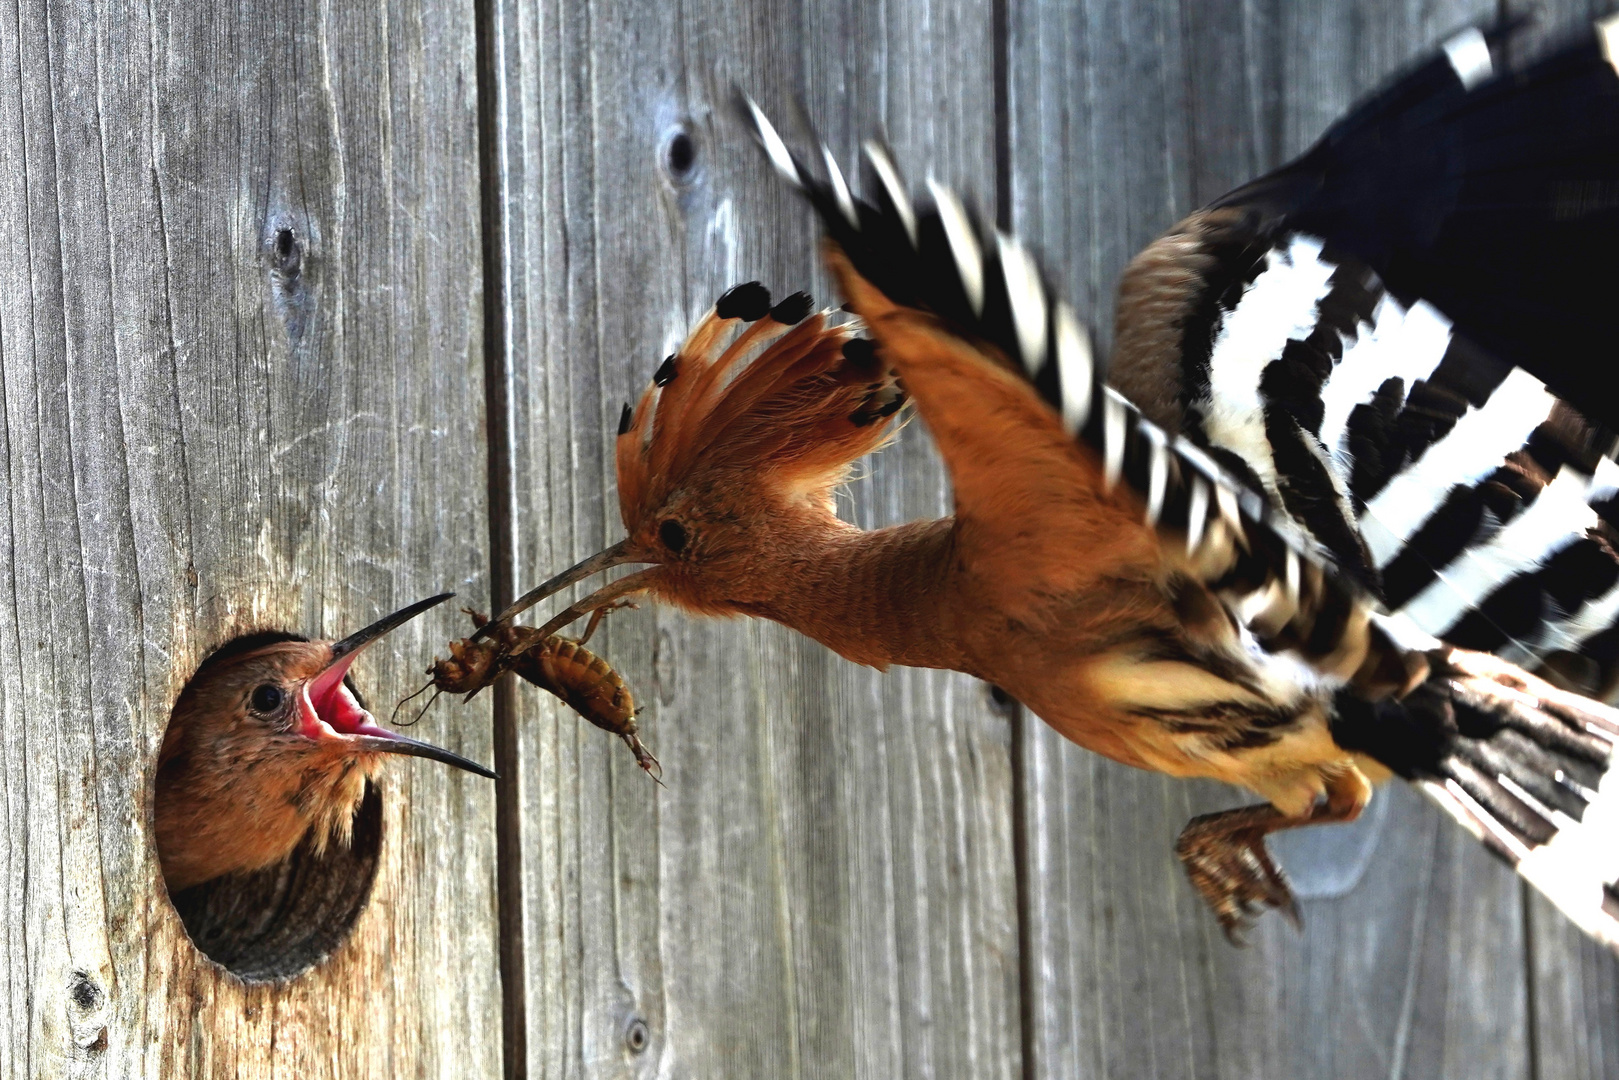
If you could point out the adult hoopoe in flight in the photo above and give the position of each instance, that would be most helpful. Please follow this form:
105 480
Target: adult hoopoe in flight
1346 471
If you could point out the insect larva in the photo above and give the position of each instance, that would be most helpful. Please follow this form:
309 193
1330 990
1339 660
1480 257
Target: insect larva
584 681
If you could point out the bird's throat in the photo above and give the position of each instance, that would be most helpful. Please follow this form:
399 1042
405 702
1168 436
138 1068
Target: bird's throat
879 598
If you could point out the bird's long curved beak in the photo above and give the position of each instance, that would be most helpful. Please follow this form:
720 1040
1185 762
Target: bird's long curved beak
391 742
617 555
358 641
624 586
330 710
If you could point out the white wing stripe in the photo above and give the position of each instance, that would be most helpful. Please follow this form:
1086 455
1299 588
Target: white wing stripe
775 148
1279 305
1113 416
888 176
958 233
1557 517
1469 56
840 188
1472 450
1406 344
1076 368
1028 302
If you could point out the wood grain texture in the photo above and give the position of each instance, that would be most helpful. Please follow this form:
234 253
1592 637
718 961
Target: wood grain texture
826 886
1124 116
239 388
241 385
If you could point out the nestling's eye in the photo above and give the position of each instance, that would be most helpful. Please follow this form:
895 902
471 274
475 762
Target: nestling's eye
673 535
267 698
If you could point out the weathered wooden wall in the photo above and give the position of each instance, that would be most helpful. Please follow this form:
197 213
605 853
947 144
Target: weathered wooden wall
825 887
242 383
240 386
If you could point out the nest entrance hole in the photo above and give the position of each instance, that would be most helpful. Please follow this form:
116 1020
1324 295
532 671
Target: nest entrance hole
276 923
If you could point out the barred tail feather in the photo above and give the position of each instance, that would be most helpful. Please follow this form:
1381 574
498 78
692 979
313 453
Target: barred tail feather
1528 769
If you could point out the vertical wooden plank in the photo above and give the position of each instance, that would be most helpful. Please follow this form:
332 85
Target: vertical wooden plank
1125 116
825 887
239 388
1575 992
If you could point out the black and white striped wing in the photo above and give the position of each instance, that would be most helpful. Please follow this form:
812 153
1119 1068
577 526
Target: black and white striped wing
1480 508
1345 441
1490 193
1408 418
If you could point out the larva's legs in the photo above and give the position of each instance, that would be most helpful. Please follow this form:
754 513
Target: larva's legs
598 615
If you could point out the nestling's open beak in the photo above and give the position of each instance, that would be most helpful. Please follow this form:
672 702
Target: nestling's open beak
327 709
617 555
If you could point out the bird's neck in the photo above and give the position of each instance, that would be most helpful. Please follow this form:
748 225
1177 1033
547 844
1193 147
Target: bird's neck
881 597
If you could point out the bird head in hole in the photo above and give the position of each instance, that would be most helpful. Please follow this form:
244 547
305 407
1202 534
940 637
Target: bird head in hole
268 744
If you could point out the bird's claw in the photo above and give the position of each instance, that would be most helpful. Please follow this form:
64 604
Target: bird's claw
1229 865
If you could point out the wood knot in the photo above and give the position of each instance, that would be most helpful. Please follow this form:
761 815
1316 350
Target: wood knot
1002 702
287 255
679 157
293 277
86 995
637 1037
86 1017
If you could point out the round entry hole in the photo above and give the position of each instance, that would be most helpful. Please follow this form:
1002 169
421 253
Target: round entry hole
279 921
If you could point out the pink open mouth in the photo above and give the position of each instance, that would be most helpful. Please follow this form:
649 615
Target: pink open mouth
327 709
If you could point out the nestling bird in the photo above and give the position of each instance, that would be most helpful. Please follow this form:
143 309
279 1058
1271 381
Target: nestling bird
268 746
1324 503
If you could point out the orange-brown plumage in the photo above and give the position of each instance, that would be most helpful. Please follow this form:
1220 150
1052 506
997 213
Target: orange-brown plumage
738 455
1169 569
737 459
1043 582
268 747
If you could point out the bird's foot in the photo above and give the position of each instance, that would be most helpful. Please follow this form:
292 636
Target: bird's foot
1226 858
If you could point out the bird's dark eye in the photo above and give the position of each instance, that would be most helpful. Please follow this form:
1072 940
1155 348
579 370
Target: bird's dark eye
267 698
673 535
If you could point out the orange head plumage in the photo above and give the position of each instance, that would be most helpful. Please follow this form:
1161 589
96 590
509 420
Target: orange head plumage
734 449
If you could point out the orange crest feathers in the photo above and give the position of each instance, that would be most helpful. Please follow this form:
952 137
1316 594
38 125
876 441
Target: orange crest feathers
775 393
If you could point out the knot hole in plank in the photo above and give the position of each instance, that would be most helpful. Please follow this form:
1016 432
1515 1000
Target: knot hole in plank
679 156
1002 702
287 255
637 1036
286 248
86 1020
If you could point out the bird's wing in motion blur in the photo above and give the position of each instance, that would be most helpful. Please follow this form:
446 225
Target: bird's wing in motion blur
1335 399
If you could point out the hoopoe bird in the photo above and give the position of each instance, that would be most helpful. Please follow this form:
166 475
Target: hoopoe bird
1344 481
269 746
